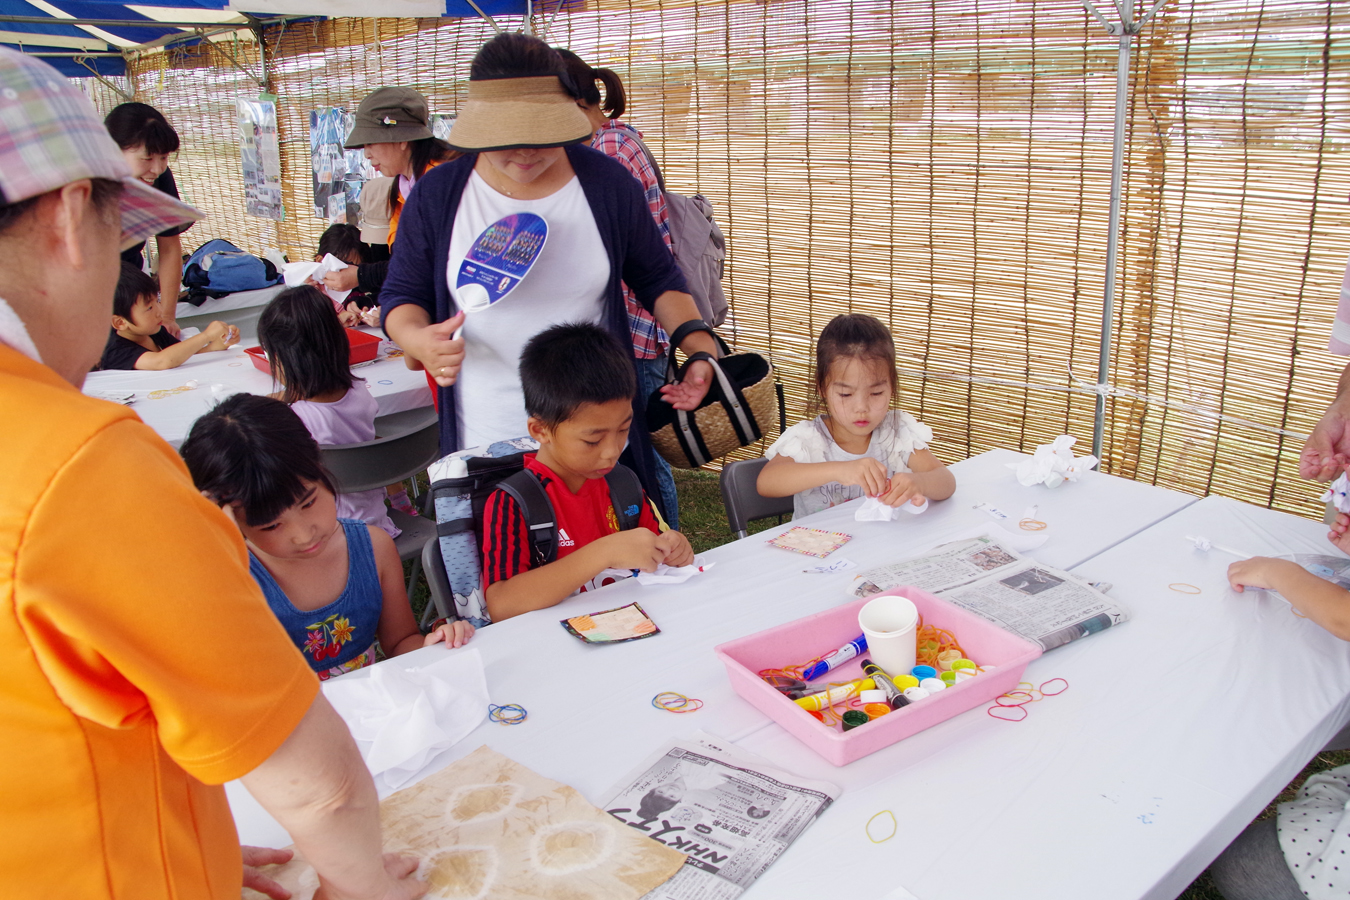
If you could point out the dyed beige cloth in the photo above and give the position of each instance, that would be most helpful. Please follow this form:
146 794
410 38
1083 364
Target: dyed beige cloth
487 827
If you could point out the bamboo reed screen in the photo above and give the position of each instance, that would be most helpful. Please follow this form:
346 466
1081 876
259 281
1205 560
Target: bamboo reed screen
943 165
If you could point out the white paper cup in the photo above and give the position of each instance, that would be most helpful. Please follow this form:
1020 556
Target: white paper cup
890 623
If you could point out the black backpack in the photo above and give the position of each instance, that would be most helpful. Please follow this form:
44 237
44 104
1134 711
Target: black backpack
458 505
625 493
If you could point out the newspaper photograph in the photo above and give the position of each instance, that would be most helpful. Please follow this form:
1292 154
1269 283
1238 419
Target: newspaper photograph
1042 604
732 813
1039 602
942 567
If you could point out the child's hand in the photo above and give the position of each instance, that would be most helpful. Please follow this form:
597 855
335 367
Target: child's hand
867 473
636 548
1338 534
348 318
1257 572
903 489
455 634
676 548
371 316
220 336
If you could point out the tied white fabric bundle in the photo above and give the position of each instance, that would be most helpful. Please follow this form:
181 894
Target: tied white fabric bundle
664 574
1338 495
401 718
1053 464
873 510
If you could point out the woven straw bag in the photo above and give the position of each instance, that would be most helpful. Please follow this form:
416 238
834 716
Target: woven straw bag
740 406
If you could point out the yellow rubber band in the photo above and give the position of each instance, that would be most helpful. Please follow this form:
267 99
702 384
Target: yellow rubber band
895 827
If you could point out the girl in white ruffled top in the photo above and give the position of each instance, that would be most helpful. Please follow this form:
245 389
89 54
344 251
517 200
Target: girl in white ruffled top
859 446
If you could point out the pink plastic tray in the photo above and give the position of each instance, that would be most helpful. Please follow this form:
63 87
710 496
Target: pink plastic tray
796 642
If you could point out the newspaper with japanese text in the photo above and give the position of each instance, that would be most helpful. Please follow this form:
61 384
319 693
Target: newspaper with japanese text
1042 604
732 813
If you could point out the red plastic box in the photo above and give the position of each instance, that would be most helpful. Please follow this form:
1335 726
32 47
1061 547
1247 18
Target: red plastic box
363 349
824 632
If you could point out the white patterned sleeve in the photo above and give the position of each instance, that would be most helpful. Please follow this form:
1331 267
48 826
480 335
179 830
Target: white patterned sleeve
798 443
910 435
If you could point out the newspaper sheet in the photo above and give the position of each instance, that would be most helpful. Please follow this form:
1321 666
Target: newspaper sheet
732 813
1043 604
945 566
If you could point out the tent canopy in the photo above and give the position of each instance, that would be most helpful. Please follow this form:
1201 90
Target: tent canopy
82 38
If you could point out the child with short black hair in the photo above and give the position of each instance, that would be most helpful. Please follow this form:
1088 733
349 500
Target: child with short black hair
139 340
310 358
335 584
578 385
344 242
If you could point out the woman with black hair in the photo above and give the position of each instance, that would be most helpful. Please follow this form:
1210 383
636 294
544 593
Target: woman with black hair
621 141
521 132
147 141
392 127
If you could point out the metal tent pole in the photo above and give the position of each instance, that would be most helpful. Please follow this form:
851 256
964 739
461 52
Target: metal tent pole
1125 30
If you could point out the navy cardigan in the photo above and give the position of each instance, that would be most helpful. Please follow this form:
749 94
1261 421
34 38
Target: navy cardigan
637 257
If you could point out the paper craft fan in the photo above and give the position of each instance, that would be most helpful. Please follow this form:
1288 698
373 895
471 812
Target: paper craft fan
499 260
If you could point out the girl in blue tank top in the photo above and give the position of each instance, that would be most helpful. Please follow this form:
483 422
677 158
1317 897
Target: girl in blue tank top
335 584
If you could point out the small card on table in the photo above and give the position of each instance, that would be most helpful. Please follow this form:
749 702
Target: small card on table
626 623
810 541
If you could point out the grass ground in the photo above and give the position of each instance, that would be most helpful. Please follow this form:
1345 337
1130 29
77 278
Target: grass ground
703 520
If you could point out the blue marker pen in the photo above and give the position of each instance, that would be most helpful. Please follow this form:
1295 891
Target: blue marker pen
837 658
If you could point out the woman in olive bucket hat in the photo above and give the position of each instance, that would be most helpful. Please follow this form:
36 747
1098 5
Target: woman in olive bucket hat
392 126
523 139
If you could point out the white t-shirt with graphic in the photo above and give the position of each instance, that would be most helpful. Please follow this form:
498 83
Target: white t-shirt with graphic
891 444
567 284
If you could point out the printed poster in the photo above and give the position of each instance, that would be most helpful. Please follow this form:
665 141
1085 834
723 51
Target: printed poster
261 158
338 173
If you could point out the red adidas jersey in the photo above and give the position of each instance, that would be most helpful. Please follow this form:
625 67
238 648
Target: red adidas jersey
582 517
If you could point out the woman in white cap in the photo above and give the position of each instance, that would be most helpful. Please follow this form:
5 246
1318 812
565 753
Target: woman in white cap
392 126
523 138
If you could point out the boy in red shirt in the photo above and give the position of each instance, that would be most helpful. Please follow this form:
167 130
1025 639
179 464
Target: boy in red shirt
578 385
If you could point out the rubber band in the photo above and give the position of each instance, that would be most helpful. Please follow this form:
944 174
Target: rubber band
895 827
1296 612
931 642
1032 525
1178 585
1046 693
1005 713
674 701
1012 700
507 713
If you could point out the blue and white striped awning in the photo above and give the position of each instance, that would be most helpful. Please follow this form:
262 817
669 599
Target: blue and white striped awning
88 37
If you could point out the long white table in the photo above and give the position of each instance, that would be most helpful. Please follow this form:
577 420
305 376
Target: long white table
965 792
396 388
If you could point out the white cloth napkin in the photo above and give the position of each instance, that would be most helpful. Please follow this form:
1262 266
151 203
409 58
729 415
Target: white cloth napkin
1053 464
402 717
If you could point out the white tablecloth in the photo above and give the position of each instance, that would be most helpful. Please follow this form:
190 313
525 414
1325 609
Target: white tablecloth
395 386
955 788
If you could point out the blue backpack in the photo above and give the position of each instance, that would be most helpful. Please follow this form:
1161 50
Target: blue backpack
218 268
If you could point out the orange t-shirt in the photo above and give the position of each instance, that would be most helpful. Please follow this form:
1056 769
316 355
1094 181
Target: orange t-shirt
396 207
139 662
